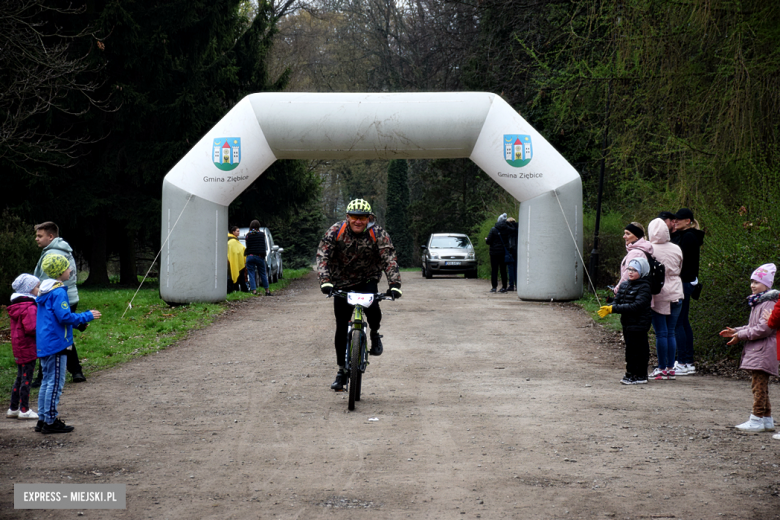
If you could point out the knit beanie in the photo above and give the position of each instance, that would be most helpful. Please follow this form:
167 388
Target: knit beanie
641 265
765 275
637 231
25 283
55 265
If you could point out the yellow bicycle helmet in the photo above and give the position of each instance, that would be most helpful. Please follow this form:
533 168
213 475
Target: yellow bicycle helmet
358 207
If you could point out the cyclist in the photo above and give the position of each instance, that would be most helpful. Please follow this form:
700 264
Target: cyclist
351 257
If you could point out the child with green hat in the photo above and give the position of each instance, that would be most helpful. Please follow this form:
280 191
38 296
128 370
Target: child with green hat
54 330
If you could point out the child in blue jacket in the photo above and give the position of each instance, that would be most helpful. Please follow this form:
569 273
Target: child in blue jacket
54 335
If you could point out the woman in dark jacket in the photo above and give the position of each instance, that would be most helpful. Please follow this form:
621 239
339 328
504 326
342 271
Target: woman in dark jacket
690 239
632 302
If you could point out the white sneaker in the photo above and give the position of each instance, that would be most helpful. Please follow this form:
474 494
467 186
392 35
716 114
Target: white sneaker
12 414
656 372
776 436
30 414
680 370
754 424
769 424
691 369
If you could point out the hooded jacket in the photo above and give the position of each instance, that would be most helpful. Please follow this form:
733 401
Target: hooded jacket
499 237
60 247
236 259
760 351
690 241
671 256
22 314
632 302
54 326
634 250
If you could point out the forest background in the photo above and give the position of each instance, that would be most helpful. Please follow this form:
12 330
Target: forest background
676 102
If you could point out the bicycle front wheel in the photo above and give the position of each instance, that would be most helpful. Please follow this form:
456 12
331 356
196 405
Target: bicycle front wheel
354 372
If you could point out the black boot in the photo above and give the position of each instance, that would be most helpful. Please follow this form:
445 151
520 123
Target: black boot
341 381
376 344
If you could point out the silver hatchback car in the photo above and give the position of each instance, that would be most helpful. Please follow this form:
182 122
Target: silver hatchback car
449 253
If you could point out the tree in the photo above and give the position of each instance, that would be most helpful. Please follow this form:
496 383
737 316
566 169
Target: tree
397 210
40 70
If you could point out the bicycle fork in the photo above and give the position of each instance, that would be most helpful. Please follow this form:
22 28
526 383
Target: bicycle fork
358 323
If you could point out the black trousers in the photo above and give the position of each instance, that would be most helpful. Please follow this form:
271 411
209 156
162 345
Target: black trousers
496 263
73 364
343 312
637 352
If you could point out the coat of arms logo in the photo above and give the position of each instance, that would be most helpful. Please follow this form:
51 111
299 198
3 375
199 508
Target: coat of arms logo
518 149
227 153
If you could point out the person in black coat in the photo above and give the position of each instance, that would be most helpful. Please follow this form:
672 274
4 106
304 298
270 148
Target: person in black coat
690 239
498 240
632 302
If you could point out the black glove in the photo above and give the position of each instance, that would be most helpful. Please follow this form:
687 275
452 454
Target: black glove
82 326
326 288
395 291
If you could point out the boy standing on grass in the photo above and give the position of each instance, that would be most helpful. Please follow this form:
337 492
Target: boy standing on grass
54 337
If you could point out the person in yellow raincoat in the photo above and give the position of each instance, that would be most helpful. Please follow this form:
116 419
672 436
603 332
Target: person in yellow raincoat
236 261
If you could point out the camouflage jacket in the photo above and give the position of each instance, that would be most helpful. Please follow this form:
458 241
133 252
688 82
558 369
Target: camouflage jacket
354 259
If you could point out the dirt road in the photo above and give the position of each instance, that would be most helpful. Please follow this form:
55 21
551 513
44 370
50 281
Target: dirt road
482 406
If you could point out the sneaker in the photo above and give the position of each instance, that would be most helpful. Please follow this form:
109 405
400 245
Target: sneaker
639 380
376 344
269 293
754 424
39 425
12 414
493 289
56 427
776 436
661 375
690 368
680 370
511 288
340 382
627 380
670 374
502 290
769 424
78 377
30 414
655 372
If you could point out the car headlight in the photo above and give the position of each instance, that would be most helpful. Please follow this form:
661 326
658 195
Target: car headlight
470 256
434 257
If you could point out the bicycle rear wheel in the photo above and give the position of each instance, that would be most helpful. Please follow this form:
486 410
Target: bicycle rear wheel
354 371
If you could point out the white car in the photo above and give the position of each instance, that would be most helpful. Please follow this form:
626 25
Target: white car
273 256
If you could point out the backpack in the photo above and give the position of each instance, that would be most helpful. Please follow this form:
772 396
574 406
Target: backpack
657 274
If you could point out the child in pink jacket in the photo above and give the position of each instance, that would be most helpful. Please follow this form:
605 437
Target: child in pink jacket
759 356
23 313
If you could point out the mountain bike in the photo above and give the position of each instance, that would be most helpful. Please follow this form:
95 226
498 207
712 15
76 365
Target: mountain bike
356 360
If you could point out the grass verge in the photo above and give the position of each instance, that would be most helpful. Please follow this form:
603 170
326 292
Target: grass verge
589 303
150 326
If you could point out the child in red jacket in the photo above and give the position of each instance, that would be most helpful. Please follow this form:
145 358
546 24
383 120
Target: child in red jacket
773 320
23 314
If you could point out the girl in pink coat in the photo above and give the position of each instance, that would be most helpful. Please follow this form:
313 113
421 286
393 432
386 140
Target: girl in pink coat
760 353
22 314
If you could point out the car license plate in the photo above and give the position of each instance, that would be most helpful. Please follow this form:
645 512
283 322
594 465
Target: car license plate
451 263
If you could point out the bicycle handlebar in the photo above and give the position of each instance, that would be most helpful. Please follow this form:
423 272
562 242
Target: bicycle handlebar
343 294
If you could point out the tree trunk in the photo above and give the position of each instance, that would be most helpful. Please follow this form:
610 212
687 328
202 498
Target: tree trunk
98 265
127 270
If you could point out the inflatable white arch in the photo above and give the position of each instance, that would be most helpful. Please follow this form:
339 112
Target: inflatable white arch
265 127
